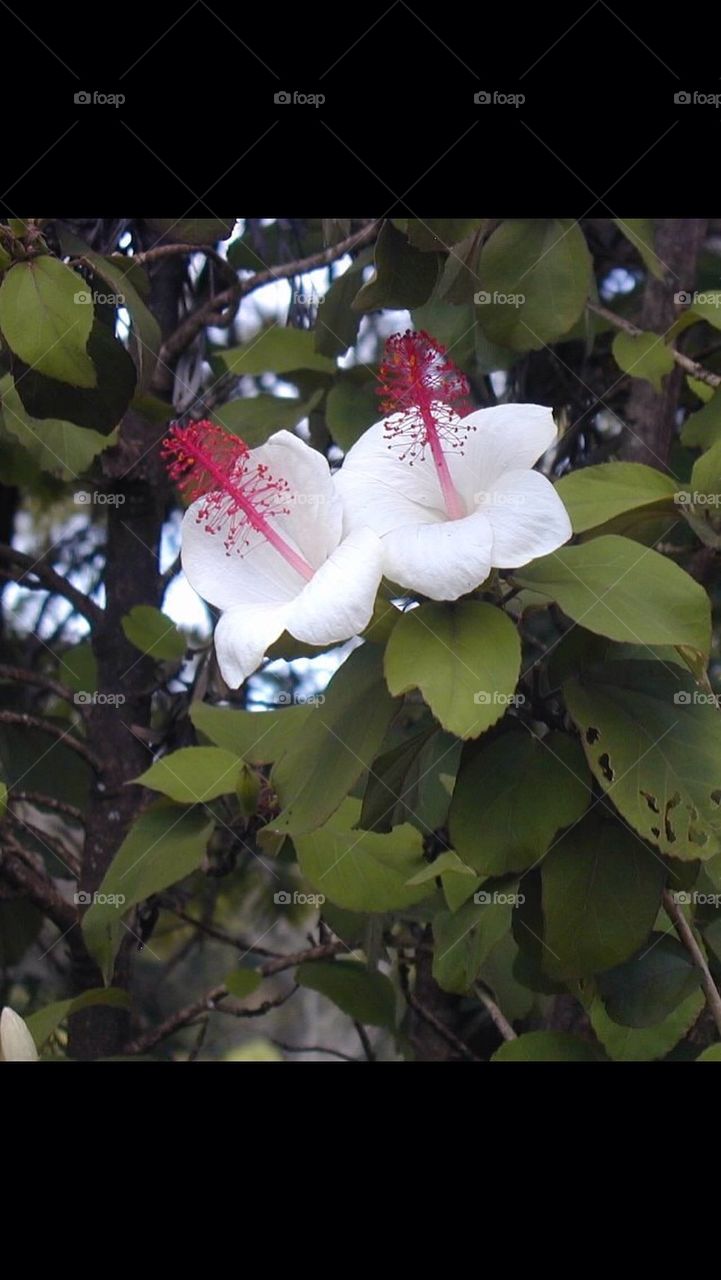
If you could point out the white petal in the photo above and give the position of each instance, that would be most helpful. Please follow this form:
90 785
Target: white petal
383 492
527 517
442 561
507 437
259 575
314 522
339 600
242 636
16 1041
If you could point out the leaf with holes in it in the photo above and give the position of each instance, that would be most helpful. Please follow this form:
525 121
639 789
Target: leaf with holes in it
46 314
512 795
594 495
653 741
465 658
620 590
600 895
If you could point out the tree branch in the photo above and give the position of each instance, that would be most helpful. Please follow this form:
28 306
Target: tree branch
18 868
499 1019
684 362
48 580
686 934
36 678
54 730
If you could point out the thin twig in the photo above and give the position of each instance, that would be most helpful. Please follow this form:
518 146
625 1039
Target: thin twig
684 362
20 674
49 580
18 868
313 1048
62 735
497 1017
49 802
686 934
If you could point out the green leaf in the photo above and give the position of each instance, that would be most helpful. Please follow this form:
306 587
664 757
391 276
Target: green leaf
257 417
465 938
336 326
193 230
653 742
412 782
164 845
547 1046
594 495
544 261
62 448
351 407
440 234
243 982
643 355
340 740
365 995
275 350
79 668
193 775
646 990
703 428
154 633
404 277
618 590
712 1054
98 408
46 315
643 1044
362 870
640 232
258 737
460 280
601 893
42 1023
513 794
465 658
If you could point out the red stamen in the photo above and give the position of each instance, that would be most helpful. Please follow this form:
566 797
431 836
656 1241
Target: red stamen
239 495
422 391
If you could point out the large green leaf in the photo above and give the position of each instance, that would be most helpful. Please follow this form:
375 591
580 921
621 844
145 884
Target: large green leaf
164 845
364 994
275 350
653 741
193 775
545 262
439 234
594 495
97 408
547 1046
256 737
362 870
465 938
619 590
703 428
601 892
404 276
513 794
154 633
643 355
257 417
340 740
62 448
46 316
643 1044
42 1023
647 989
465 658
412 782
